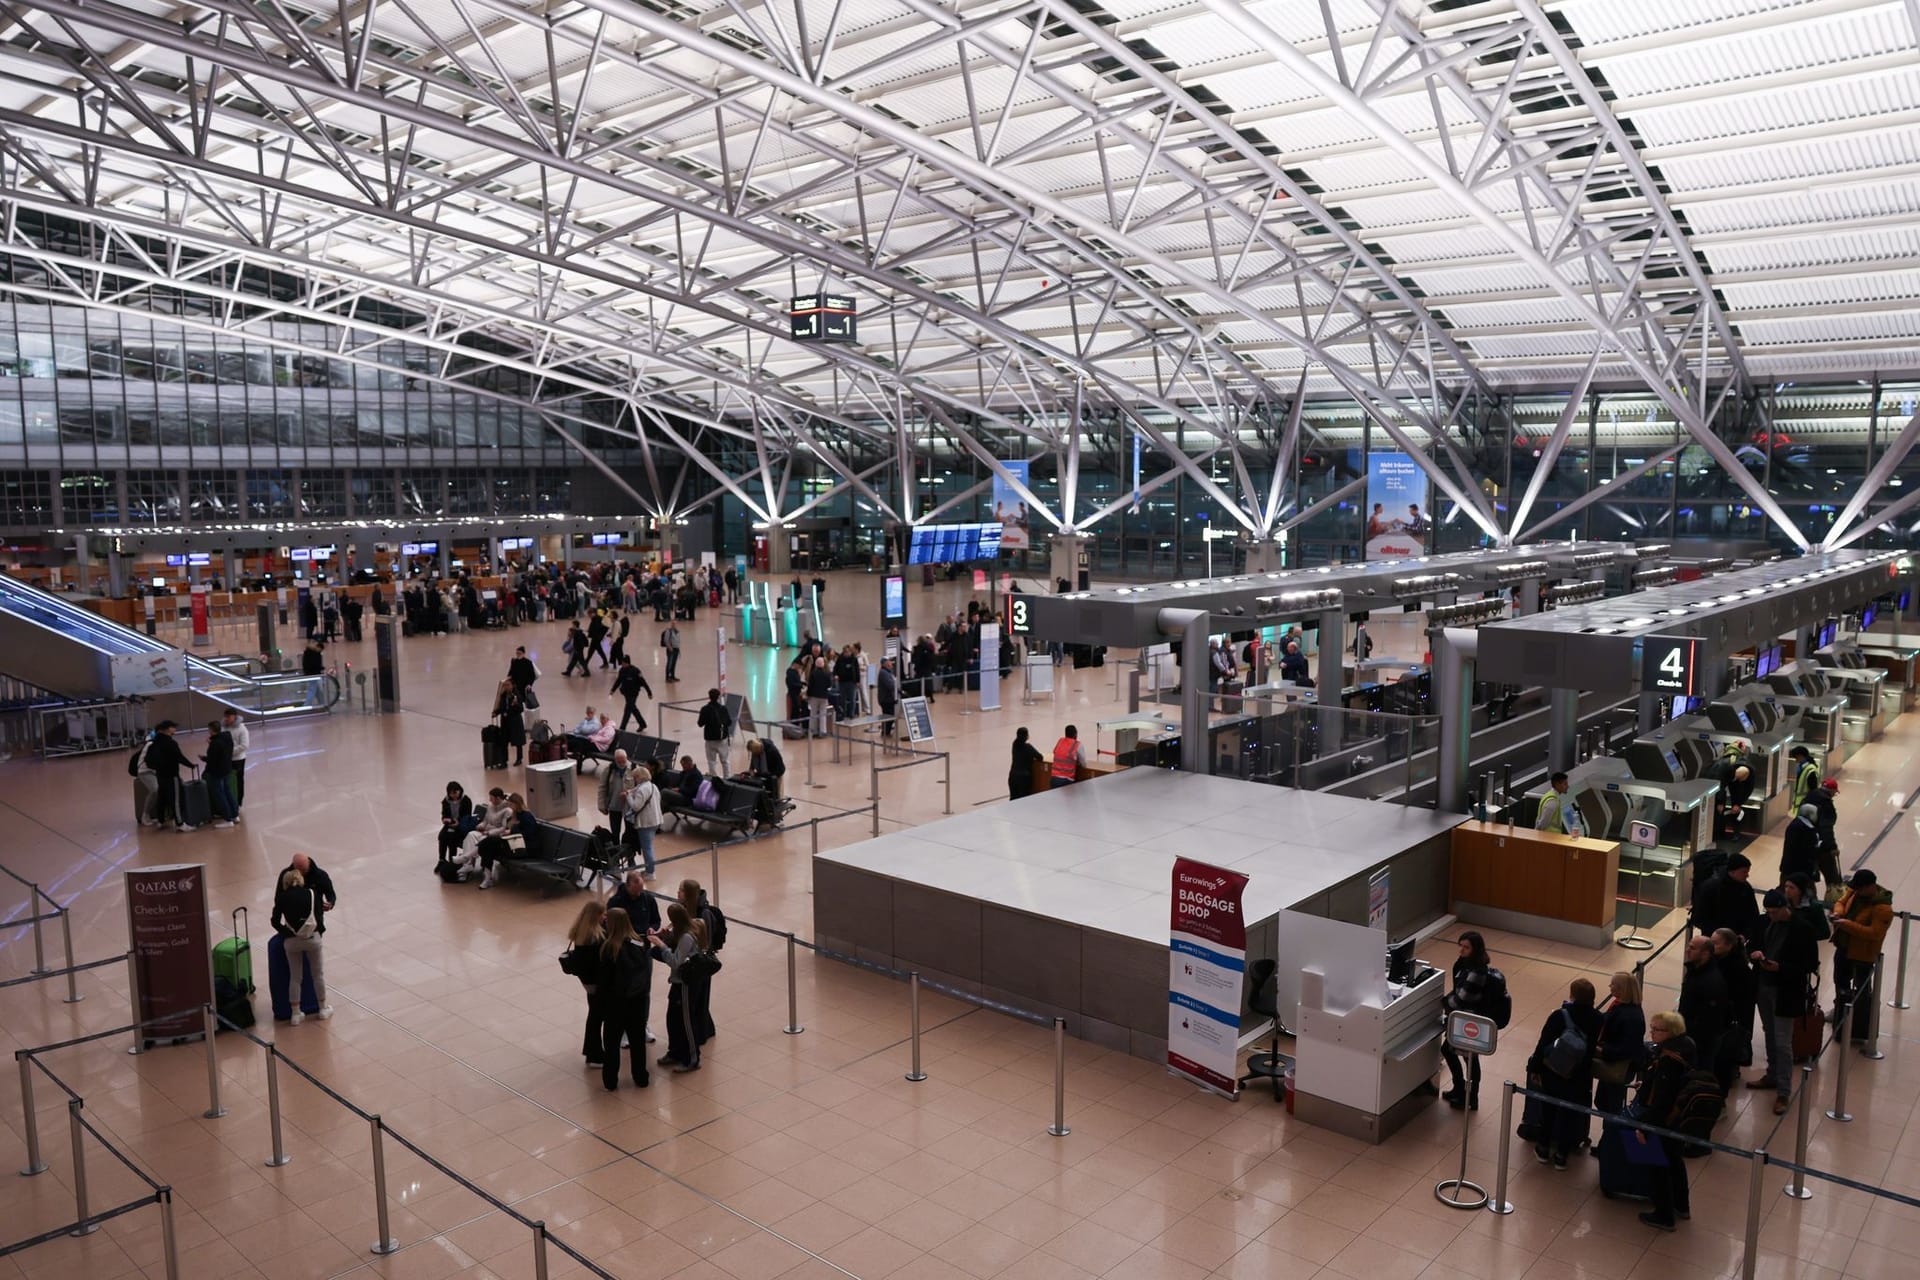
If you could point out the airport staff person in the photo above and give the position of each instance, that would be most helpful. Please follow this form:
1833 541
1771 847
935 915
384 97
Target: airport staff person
1557 810
1068 756
1806 776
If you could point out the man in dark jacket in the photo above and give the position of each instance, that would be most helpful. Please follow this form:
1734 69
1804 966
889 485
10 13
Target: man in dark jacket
1704 1001
716 728
1824 818
1727 901
319 881
520 671
1735 1049
1800 845
1785 958
630 684
165 759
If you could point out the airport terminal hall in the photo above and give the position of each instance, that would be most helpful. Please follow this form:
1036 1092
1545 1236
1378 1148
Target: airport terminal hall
1227 639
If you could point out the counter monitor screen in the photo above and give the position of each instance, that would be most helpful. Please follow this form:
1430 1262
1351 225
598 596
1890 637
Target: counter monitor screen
1400 961
1746 721
1866 617
1763 664
1673 764
1906 598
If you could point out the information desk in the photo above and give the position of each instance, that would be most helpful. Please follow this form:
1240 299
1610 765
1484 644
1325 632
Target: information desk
1359 1065
1060 903
1540 883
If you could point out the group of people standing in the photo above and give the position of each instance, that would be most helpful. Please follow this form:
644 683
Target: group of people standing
158 764
612 948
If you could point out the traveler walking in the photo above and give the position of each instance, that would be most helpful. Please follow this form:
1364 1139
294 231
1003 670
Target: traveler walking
297 919
576 649
716 730
630 684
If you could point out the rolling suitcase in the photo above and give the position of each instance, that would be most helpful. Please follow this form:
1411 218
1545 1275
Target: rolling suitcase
278 972
233 956
196 808
1622 1177
493 747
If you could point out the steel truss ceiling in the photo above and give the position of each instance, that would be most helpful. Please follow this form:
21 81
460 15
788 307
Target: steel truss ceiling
1065 224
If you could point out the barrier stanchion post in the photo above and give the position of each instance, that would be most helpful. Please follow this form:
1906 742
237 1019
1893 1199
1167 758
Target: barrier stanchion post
169 1243
1872 1051
540 1250
1797 1185
66 942
946 767
1750 1248
385 1244
913 997
1838 1111
1900 966
1498 1203
82 1227
214 1110
280 1157
793 1027
133 1000
39 944
1059 1126
876 802
34 1165
713 875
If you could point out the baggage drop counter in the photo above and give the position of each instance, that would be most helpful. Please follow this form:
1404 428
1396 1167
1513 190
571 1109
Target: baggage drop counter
1059 903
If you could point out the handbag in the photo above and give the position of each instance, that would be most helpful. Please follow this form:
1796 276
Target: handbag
311 925
530 700
1642 1148
1613 1070
700 965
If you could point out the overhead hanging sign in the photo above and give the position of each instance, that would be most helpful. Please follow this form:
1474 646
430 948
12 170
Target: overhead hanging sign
1668 665
1208 961
1396 507
823 317
1009 508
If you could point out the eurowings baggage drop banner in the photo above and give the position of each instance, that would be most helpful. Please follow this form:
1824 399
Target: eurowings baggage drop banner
1207 960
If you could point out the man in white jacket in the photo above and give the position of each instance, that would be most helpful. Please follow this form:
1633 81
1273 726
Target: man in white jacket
237 728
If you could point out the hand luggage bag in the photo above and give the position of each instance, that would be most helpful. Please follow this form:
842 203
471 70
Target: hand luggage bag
196 808
233 956
1809 1029
233 1005
277 974
493 747
1622 1177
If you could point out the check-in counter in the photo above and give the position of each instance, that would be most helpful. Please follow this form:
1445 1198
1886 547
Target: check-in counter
1043 772
1358 1069
1540 883
1902 665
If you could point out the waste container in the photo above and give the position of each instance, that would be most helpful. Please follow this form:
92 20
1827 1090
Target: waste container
550 790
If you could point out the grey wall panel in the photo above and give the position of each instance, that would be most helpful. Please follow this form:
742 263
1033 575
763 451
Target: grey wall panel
933 930
853 905
1124 980
1030 956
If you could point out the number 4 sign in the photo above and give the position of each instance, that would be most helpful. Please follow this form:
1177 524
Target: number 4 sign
1668 664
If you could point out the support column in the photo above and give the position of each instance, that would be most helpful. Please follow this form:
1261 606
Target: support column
566 548
779 553
446 556
1330 675
1190 626
229 567
671 539
116 574
1563 726
1455 650
1070 556
1265 557
1647 713
1526 596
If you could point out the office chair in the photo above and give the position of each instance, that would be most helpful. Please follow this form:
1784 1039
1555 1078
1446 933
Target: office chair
1265 1002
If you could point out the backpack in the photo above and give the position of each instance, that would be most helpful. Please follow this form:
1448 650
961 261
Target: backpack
1497 1001
139 754
716 926
601 852
1569 1051
541 733
1698 1106
706 797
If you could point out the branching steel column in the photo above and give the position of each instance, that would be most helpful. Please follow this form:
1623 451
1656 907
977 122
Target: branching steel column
1883 468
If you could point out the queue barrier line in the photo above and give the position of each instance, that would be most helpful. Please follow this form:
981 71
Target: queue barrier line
35 896
85 1226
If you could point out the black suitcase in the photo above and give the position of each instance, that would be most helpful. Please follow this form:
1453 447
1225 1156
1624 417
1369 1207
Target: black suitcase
1621 1178
493 747
196 808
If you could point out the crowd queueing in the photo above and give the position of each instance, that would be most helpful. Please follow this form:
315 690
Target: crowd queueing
612 949
1752 957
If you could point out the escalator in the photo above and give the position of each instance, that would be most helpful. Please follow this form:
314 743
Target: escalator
59 646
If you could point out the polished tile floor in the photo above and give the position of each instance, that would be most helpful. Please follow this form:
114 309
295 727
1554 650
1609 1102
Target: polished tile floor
786 1156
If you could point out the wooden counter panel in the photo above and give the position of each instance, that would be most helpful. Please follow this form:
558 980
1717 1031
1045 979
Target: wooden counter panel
1535 872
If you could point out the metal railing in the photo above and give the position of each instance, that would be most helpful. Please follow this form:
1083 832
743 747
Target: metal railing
36 918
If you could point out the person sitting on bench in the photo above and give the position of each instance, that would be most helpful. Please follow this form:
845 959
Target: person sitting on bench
496 849
586 741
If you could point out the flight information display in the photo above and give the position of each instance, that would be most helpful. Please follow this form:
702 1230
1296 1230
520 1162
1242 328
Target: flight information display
954 543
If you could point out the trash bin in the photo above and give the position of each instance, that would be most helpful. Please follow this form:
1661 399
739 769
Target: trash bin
550 790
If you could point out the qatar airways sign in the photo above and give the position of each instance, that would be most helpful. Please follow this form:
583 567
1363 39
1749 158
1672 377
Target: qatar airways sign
1207 958
172 957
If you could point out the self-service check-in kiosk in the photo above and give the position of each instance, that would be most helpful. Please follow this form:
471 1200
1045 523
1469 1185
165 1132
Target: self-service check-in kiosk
1822 710
1901 662
1872 688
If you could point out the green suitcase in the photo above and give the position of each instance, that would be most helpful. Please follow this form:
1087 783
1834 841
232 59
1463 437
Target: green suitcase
233 957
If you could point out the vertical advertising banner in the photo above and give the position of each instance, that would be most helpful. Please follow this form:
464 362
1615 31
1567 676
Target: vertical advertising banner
1207 963
200 633
172 955
1396 507
989 666
720 651
1010 509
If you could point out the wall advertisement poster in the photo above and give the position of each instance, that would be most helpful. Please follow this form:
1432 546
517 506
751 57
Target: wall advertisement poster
1010 509
1207 960
1396 507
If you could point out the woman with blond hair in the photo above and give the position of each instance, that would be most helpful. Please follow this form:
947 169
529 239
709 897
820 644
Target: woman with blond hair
582 960
1622 1046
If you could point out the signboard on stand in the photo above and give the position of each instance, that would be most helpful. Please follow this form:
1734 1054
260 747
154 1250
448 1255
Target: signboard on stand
893 601
172 955
1207 963
386 657
1396 507
919 718
720 642
989 666
1010 509
202 637
1379 887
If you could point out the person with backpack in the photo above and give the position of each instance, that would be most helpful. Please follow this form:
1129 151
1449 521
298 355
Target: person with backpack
1562 1067
700 988
1479 988
219 775
164 759
1828 849
1618 1053
297 908
1659 1102
716 729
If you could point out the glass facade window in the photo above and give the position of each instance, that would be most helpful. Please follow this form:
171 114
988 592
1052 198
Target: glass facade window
213 496
323 493
373 493
26 499
153 497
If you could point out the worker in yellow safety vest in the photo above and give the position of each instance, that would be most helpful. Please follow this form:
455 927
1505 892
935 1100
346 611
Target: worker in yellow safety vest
1557 811
1067 757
